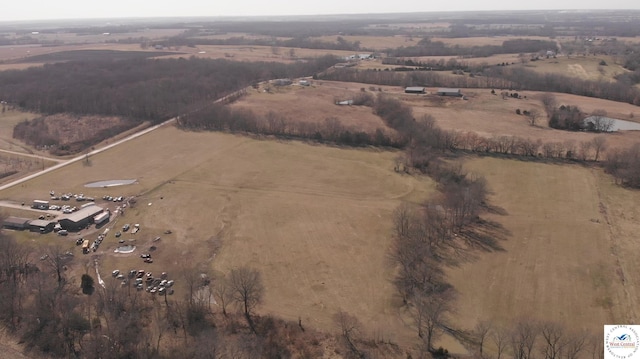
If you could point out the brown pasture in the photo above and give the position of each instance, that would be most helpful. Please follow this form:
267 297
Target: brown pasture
12 53
581 67
314 104
315 220
373 42
483 40
570 255
256 53
69 38
490 115
8 119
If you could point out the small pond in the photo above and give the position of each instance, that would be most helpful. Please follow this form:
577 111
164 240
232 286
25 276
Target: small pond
110 183
618 125
125 249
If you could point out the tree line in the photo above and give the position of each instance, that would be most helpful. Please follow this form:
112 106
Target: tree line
503 77
138 89
331 130
297 42
428 47
60 316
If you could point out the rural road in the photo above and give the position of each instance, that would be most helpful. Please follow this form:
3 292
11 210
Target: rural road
32 156
83 156
102 149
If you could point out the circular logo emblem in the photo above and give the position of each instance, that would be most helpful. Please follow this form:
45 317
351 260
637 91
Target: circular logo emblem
621 341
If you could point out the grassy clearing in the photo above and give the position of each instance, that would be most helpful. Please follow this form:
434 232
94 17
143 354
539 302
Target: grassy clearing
490 115
8 120
581 67
314 104
314 219
558 262
373 42
483 40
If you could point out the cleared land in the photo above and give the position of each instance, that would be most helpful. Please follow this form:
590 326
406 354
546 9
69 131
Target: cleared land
314 104
570 257
491 115
8 120
314 219
582 67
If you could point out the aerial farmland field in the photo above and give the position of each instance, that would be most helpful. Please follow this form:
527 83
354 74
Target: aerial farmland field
315 220
564 257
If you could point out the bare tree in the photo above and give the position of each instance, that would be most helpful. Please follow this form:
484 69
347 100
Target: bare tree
481 332
222 293
402 220
596 346
533 116
500 338
429 312
599 144
14 269
576 343
523 339
247 290
585 150
599 122
56 259
549 102
554 340
350 331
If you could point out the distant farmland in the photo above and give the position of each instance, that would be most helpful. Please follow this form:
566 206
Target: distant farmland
92 55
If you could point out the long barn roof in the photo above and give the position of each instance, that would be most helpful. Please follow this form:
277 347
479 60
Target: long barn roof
83 213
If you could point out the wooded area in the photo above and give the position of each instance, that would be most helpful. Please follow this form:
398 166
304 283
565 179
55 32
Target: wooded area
153 90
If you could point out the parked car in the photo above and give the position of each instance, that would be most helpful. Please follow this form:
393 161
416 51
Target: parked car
63 232
118 234
126 227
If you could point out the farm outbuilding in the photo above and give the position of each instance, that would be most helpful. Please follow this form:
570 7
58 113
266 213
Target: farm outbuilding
449 92
80 219
414 89
281 82
38 204
16 223
101 218
41 225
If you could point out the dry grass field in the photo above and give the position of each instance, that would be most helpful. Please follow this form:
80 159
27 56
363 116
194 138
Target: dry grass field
571 254
8 119
76 38
13 53
373 42
490 115
230 52
314 104
257 53
582 67
314 219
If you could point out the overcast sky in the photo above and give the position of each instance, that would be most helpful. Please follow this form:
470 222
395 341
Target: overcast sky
77 9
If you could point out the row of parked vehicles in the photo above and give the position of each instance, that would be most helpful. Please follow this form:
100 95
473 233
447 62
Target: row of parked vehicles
113 199
68 196
139 278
